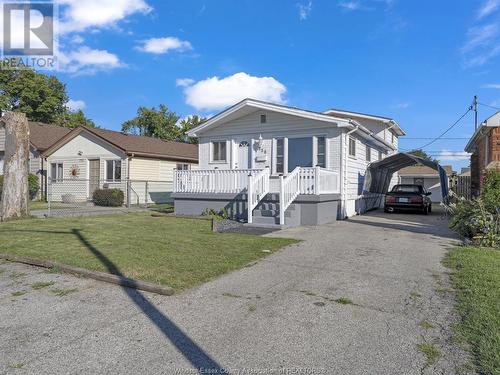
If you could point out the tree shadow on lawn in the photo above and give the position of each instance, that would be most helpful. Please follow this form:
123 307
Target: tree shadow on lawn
200 360
189 349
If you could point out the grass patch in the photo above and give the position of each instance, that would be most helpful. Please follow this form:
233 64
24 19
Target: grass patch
431 353
63 292
18 293
252 308
414 295
17 365
426 325
343 301
17 275
177 252
38 205
231 295
41 285
476 278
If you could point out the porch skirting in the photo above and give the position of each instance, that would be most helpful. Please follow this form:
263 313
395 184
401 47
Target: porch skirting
305 209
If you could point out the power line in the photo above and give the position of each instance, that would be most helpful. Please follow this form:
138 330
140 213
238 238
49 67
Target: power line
426 138
489 106
446 131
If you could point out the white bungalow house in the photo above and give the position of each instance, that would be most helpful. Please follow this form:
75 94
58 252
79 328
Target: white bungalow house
272 164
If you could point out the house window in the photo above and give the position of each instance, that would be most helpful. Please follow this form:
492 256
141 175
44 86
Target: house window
263 119
182 167
352 147
113 170
368 153
219 151
321 152
56 171
300 153
280 155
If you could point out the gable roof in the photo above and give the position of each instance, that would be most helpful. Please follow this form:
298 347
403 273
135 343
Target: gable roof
134 144
358 115
417 170
491 122
42 135
248 106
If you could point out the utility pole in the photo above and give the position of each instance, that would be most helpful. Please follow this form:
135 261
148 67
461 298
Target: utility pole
474 108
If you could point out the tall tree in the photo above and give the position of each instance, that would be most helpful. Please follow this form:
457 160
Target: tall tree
187 124
73 119
151 122
41 97
424 155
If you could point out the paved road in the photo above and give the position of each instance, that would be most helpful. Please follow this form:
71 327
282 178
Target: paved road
278 313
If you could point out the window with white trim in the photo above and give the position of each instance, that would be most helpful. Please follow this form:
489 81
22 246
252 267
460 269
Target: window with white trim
368 153
113 170
182 166
321 152
352 147
219 151
280 155
56 171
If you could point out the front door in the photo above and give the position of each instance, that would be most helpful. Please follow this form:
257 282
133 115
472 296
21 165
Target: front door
94 175
243 159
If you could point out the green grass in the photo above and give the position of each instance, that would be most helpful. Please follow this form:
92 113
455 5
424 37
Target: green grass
343 301
476 277
426 325
431 353
38 205
63 292
176 252
18 293
41 285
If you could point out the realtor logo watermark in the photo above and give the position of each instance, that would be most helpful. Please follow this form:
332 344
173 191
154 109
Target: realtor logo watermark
29 35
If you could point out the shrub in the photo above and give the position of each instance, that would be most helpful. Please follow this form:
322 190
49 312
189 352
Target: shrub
491 190
108 197
218 215
33 185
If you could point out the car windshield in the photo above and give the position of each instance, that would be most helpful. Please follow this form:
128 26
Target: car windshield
406 189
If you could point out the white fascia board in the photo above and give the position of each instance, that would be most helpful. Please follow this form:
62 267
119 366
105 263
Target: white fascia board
371 136
258 105
383 120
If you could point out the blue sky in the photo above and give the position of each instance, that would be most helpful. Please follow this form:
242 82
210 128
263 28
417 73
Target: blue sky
419 62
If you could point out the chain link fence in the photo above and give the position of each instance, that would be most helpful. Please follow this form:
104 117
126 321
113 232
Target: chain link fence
74 197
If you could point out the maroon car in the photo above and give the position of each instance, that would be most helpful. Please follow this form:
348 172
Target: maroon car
408 197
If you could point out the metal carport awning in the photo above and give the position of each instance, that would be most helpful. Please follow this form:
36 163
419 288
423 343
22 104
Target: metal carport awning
379 173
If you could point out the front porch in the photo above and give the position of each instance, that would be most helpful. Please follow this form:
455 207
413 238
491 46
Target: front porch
306 196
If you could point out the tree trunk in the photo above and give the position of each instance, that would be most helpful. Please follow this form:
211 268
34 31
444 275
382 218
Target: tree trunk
15 194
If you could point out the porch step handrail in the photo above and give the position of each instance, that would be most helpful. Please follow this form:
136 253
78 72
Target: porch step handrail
258 188
317 180
289 190
231 181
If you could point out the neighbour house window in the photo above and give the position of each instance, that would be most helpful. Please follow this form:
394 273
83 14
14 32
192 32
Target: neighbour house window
113 170
321 152
56 171
280 155
263 119
182 167
368 153
352 147
219 151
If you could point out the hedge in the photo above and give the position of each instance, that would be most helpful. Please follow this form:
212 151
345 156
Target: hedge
108 197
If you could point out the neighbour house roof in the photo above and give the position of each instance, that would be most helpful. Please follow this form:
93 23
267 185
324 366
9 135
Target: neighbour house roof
424 171
134 144
490 122
248 106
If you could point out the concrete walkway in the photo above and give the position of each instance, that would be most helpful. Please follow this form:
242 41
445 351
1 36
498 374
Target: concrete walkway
279 313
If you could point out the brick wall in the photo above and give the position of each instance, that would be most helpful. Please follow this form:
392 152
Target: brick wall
488 150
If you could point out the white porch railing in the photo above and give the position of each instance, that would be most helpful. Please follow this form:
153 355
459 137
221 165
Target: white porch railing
289 190
212 181
317 180
258 187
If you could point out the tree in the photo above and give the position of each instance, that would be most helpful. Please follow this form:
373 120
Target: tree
187 124
424 155
41 97
15 193
151 122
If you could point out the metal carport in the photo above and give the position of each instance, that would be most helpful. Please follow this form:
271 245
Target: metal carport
378 175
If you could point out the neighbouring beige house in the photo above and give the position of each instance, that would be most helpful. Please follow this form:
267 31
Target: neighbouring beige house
426 177
79 161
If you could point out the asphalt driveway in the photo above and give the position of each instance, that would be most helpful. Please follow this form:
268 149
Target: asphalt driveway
355 297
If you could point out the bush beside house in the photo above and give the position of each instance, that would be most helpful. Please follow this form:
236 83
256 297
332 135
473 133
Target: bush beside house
33 186
108 197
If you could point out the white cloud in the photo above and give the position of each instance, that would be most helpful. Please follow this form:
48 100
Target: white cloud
402 105
215 93
164 45
446 155
75 105
482 44
80 15
488 7
350 5
304 10
88 61
491 86
183 82
77 39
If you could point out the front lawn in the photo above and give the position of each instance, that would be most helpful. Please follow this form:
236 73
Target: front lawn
477 280
176 252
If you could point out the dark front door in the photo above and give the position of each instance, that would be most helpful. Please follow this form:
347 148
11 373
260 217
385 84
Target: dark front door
94 175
